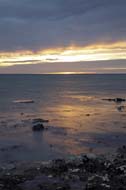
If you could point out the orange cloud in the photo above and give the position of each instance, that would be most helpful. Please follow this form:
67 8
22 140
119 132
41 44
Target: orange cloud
73 53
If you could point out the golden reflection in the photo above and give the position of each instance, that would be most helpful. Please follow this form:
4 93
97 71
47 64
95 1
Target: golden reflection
73 53
81 122
73 116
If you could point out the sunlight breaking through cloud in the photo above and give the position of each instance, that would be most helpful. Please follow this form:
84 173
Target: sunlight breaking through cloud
72 53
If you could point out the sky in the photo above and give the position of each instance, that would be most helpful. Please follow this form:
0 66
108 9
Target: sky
62 36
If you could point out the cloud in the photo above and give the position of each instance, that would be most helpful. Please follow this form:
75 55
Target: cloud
45 9
116 66
41 24
70 54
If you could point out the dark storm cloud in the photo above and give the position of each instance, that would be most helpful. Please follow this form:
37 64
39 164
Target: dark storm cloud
40 9
35 24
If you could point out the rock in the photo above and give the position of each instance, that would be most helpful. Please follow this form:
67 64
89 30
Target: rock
84 172
74 170
121 152
51 146
98 182
117 100
87 114
38 127
120 108
50 176
91 156
59 166
39 120
8 167
108 99
23 101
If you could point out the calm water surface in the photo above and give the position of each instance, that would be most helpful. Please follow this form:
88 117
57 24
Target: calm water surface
80 121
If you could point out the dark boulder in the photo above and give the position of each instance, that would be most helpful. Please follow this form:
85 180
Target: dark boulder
38 127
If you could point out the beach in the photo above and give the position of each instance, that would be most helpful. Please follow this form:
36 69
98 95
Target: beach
84 172
62 95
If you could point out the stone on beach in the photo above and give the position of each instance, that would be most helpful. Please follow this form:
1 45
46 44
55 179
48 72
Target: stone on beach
121 152
8 167
84 172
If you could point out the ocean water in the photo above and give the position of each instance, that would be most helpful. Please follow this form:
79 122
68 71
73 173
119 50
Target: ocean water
80 121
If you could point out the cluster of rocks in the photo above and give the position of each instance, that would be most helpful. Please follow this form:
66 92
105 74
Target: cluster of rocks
116 100
85 172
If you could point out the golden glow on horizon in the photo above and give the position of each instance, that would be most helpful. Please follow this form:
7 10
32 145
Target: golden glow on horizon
69 73
72 53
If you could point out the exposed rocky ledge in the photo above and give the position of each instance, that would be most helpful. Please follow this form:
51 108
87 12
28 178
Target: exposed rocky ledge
117 100
85 172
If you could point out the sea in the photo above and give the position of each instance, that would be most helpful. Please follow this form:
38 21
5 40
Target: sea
81 120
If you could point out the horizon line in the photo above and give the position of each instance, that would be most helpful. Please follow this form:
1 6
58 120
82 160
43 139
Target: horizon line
64 73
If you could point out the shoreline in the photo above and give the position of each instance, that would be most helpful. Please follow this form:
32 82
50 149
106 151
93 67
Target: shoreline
84 172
